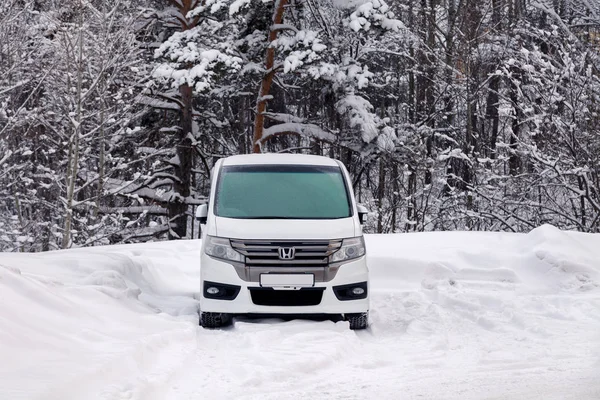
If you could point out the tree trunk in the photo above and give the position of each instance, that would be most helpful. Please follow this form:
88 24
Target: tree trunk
395 191
425 90
473 19
449 107
380 194
178 206
411 212
73 161
430 92
493 99
513 160
183 170
101 160
265 86
492 113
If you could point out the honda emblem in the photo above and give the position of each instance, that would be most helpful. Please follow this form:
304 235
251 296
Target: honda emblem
287 253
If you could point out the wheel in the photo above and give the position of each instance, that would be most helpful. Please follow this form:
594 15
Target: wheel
358 321
213 320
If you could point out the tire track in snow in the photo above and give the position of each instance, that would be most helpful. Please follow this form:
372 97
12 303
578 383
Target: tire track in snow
421 344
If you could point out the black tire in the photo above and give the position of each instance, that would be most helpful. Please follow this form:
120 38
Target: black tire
358 321
212 320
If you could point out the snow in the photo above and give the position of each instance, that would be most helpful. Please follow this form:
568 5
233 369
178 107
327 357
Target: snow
374 11
309 130
360 114
235 7
308 42
454 153
181 50
455 315
347 4
5 157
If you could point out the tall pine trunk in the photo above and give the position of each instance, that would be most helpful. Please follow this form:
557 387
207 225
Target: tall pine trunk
267 81
178 204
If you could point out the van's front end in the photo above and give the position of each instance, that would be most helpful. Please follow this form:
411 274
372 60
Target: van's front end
282 236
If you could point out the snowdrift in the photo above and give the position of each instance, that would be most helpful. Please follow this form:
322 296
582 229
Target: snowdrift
455 315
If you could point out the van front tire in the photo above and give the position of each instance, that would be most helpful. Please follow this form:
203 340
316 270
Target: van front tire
212 320
358 321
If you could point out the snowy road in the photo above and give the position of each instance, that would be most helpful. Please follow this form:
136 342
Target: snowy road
454 316
275 360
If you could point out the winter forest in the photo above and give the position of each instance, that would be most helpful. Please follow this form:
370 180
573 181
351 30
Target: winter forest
449 114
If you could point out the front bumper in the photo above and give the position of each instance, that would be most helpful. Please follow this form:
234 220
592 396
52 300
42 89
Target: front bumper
221 272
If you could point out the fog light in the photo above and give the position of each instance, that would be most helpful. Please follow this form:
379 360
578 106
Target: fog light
351 292
212 290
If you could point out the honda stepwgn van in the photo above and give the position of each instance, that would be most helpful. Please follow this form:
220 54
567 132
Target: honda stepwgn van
282 234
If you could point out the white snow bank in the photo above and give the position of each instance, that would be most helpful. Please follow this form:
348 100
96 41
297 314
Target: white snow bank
546 260
455 315
74 323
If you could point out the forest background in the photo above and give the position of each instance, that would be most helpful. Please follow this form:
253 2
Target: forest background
449 114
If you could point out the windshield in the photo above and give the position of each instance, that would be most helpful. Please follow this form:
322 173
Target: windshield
282 192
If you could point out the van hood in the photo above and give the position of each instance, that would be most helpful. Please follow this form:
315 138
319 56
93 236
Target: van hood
293 229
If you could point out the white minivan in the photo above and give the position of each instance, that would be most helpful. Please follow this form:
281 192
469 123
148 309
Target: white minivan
282 235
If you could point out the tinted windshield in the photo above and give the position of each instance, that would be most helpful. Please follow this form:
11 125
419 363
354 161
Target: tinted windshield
282 192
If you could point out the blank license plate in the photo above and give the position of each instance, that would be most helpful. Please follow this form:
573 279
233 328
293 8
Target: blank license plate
287 280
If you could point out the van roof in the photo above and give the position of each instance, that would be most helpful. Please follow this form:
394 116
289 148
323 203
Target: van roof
279 159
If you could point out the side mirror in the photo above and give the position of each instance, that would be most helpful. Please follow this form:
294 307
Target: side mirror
202 213
362 213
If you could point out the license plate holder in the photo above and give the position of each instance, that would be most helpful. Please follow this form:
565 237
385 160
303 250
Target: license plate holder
287 281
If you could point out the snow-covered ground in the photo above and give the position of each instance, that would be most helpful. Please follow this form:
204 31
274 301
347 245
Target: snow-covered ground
454 316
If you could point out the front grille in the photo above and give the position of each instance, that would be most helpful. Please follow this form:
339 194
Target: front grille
265 253
286 298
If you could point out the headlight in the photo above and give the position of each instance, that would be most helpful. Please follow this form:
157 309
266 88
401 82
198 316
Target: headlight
221 248
351 248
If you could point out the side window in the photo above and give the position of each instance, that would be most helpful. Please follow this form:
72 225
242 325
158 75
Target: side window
210 185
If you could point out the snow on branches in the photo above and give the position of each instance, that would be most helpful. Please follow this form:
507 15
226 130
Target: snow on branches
189 62
359 112
342 76
374 13
301 48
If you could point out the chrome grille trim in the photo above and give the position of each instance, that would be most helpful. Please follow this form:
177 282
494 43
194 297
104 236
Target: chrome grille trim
310 253
264 261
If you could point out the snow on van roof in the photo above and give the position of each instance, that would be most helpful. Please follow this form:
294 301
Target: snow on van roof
269 158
